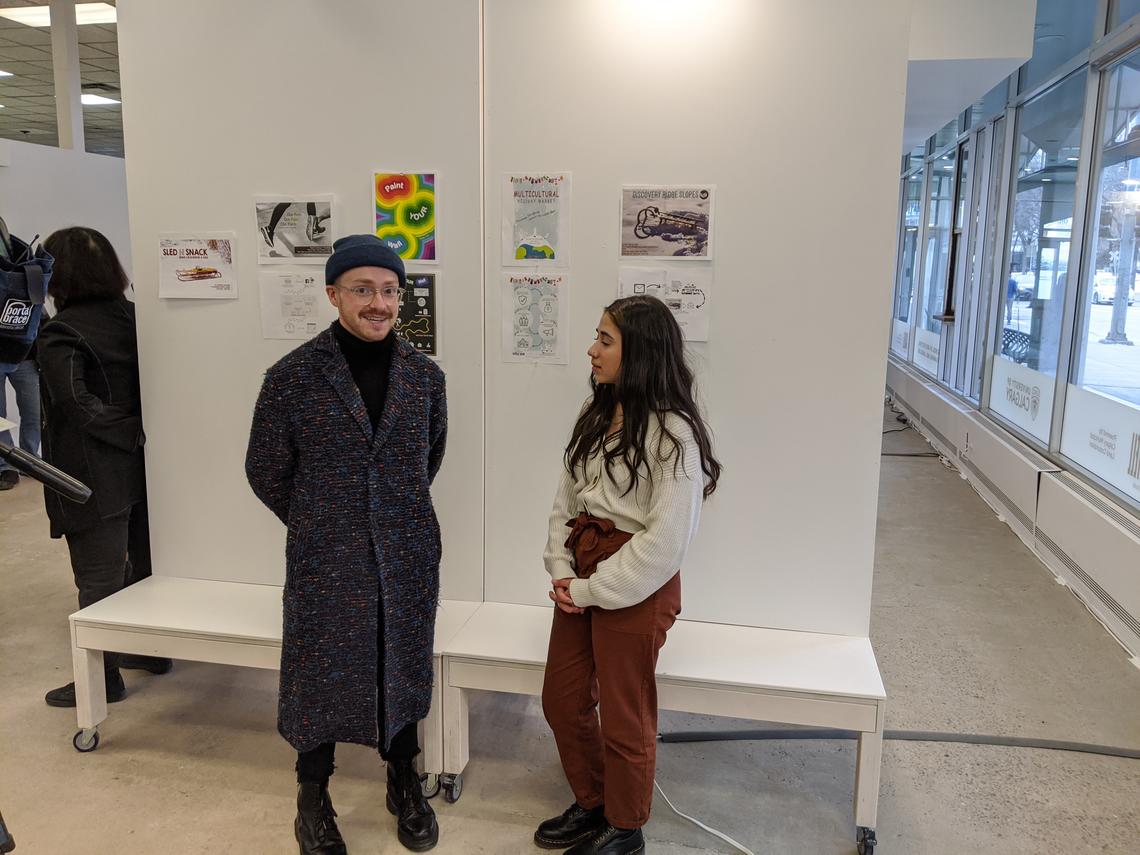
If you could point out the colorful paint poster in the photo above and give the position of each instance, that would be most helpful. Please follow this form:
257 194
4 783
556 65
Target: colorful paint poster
535 316
417 323
404 213
667 222
687 292
536 219
197 266
292 303
294 230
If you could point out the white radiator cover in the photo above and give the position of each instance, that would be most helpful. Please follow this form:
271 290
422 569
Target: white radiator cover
1094 547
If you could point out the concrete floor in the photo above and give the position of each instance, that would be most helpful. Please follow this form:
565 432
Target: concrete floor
971 632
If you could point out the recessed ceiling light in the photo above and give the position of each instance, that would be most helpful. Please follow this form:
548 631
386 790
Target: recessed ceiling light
40 16
1046 179
90 100
1072 158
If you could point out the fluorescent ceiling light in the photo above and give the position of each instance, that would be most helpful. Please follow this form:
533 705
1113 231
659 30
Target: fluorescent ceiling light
1130 182
96 100
40 16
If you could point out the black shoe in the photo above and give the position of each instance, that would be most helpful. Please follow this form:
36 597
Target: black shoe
315 826
64 696
611 841
153 664
575 825
416 827
9 478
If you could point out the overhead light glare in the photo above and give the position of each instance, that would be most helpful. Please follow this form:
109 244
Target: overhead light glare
1046 179
4 73
40 16
90 100
1130 182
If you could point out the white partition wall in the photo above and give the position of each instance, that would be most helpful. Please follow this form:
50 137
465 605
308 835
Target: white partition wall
226 100
794 111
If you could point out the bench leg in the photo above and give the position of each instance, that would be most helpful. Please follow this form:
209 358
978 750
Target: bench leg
868 764
455 728
432 736
90 687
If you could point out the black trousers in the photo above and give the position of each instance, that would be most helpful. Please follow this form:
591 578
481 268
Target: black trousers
108 557
317 765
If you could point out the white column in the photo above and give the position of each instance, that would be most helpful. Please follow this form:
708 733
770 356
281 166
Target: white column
65 60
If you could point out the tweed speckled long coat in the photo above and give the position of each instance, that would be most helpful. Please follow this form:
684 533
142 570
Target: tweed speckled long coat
362 531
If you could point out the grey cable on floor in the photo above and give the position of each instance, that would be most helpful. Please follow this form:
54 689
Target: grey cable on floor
905 736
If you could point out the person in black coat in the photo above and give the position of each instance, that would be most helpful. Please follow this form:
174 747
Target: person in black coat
348 432
89 384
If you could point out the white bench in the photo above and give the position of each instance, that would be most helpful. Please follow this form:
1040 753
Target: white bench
774 675
228 623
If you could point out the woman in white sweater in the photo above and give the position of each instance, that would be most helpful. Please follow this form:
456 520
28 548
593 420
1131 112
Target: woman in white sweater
637 468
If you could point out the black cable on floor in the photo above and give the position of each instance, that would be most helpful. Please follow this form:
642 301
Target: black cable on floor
909 454
904 736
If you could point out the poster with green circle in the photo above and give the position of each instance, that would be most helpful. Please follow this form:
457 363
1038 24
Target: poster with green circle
404 208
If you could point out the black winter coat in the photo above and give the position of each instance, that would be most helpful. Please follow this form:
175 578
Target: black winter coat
89 383
362 531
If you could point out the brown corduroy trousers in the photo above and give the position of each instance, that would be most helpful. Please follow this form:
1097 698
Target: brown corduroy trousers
607 657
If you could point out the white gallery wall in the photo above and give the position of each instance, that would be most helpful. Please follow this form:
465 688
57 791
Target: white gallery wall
223 101
780 104
43 188
784 108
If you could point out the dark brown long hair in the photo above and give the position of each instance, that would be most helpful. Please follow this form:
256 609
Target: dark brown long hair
86 267
653 379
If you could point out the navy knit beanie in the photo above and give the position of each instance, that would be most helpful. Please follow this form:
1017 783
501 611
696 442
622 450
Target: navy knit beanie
362 251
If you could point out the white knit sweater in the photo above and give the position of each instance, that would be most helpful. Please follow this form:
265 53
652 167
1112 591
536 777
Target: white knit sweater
662 516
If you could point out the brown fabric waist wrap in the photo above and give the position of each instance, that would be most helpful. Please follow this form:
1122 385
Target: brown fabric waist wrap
593 540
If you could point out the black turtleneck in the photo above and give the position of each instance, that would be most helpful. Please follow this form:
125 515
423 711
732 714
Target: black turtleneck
370 363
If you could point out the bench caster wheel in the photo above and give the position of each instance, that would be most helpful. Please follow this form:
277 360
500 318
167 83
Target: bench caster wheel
430 785
86 740
865 838
452 788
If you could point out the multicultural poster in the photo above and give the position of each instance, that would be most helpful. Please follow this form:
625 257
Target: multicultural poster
687 292
536 219
404 213
534 318
667 222
292 230
197 266
416 322
291 303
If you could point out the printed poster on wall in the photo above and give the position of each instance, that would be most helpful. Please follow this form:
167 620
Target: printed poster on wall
404 214
686 292
294 230
197 266
416 323
292 303
1103 435
536 219
674 221
534 318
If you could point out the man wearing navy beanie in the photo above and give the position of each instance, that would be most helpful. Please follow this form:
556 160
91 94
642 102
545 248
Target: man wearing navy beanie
348 434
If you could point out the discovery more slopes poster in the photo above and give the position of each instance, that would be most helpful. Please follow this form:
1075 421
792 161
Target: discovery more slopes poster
404 213
673 222
197 266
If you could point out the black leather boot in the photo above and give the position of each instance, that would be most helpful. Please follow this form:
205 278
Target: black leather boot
416 827
575 825
315 827
611 841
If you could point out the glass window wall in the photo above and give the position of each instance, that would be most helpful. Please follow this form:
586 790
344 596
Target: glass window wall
1039 237
1102 413
908 263
1062 30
